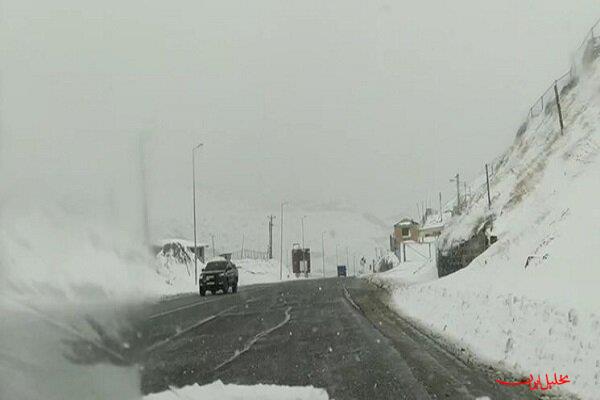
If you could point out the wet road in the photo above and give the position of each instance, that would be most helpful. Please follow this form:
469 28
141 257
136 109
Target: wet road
330 333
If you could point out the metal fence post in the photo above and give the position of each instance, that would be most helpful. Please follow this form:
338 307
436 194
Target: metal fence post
487 178
560 117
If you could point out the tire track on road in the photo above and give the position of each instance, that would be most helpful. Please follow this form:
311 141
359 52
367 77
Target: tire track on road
168 312
198 303
186 330
255 339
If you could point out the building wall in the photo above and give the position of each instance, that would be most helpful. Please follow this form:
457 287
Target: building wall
413 234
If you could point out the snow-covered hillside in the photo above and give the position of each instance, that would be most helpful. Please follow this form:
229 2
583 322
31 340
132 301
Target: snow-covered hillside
531 303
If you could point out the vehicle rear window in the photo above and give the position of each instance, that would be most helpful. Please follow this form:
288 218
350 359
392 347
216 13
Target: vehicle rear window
215 266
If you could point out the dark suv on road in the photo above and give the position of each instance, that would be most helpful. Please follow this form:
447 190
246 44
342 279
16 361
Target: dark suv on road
218 275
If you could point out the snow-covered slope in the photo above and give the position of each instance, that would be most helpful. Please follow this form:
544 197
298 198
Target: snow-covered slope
541 316
175 265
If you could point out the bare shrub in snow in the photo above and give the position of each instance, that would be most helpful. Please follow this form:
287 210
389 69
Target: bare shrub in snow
573 318
385 265
526 184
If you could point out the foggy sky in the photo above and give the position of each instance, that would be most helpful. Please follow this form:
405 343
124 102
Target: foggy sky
373 103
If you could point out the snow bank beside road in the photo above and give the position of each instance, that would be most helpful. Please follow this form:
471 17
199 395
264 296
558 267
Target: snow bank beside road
404 274
267 271
218 390
259 271
530 302
175 265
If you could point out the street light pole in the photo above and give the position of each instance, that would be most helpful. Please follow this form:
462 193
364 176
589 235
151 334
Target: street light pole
194 201
323 251
281 245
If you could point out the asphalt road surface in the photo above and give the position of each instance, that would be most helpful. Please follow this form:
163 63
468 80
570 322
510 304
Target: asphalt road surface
335 334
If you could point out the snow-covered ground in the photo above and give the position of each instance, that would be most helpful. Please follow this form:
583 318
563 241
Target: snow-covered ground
404 274
258 271
175 265
218 390
540 316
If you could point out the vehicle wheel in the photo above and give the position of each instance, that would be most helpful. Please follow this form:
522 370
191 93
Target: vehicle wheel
234 288
202 292
225 287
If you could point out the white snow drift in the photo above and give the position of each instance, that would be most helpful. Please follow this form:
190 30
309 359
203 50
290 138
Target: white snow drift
218 390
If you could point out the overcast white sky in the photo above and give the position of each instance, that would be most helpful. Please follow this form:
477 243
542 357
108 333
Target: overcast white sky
377 103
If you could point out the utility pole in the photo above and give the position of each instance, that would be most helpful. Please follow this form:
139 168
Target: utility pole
487 179
354 261
441 214
271 217
281 245
323 250
457 179
194 201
